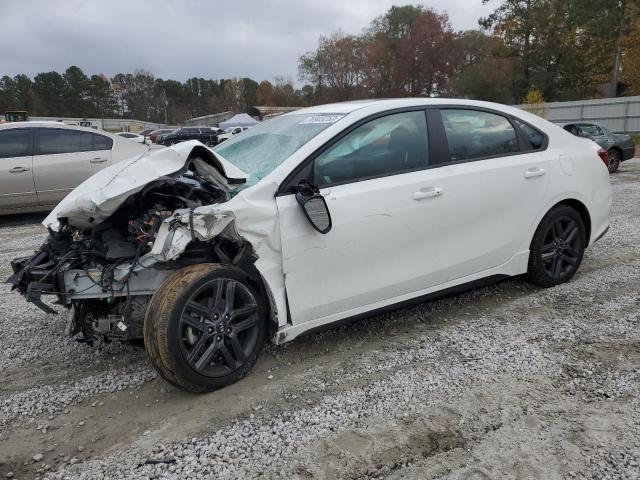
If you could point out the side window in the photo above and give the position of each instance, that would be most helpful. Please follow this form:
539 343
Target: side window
572 130
534 137
100 142
588 130
476 134
51 141
385 146
15 143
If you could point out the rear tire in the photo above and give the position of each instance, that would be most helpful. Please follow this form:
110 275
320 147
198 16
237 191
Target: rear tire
557 247
614 161
205 327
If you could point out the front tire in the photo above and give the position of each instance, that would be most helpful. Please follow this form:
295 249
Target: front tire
557 247
205 327
614 161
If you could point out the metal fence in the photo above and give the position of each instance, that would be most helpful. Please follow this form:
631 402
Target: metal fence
617 114
109 124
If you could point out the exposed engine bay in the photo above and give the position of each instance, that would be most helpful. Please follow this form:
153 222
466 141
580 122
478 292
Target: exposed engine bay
105 263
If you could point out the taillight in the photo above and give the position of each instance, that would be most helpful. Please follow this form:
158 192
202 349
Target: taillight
604 155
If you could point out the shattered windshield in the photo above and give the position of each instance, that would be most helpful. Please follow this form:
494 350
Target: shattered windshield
259 150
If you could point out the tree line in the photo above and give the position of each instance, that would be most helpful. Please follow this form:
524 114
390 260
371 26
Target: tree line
139 95
525 51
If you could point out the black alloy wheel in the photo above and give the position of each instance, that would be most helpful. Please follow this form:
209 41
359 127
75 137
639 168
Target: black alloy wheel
557 247
205 326
219 327
614 161
561 247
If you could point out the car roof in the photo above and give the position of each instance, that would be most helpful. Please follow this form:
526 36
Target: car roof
49 124
391 103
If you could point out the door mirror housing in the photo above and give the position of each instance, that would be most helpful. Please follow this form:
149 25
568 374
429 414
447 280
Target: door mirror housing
314 206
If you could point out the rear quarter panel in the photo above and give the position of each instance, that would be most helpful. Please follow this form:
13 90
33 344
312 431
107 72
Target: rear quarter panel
576 173
124 148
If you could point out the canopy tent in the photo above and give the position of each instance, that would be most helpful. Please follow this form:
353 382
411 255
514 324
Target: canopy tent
239 120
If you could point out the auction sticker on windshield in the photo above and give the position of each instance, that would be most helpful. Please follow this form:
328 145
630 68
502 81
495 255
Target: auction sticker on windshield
322 119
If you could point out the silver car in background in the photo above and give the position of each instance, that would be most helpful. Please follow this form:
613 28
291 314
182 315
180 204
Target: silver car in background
41 162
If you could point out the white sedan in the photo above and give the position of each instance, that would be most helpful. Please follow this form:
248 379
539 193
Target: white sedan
315 217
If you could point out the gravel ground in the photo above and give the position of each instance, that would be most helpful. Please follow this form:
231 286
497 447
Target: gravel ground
508 381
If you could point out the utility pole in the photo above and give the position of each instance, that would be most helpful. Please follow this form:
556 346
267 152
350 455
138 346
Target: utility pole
615 73
164 96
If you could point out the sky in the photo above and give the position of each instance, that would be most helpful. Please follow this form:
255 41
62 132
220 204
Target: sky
180 39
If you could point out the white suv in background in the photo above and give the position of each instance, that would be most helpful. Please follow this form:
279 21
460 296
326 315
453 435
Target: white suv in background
230 132
40 162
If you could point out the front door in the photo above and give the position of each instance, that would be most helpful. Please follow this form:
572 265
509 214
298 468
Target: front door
17 188
383 243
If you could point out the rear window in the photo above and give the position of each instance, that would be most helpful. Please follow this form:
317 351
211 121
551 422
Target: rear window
477 134
589 130
15 143
535 139
51 141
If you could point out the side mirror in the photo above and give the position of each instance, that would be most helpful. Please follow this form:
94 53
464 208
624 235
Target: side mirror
314 206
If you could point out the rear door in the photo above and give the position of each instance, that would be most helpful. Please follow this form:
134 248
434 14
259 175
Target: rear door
205 135
493 188
17 188
64 158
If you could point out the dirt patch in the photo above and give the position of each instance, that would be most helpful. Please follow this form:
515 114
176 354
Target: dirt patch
383 447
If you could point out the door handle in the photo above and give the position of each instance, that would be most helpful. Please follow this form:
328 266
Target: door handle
98 160
534 172
19 169
428 193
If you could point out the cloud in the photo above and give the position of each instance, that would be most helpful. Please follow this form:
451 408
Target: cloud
222 39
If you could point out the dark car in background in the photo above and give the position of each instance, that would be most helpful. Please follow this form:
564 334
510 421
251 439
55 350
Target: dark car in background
203 134
154 136
619 146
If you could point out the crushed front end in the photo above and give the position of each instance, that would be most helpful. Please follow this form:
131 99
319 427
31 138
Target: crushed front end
111 247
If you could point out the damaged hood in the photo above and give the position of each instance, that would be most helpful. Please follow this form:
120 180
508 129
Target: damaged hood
98 197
